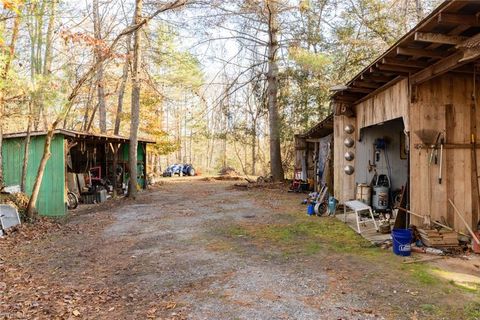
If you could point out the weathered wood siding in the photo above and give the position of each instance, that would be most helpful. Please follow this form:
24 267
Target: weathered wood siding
387 105
444 104
344 185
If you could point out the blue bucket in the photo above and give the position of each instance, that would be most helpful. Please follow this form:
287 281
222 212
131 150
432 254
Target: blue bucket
311 209
402 239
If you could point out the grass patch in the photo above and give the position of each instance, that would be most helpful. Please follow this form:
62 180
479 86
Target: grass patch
313 235
304 236
429 309
472 311
422 274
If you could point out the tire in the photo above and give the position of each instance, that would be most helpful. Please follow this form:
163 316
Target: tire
320 208
191 172
72 201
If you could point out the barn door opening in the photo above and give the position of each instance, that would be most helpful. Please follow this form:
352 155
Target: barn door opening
382 164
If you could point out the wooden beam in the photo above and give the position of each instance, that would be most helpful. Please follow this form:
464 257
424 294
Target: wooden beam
461 19
439 68
348 96
419 53
360 90
405 63
396 69
380 89
376 78
439 38
365 84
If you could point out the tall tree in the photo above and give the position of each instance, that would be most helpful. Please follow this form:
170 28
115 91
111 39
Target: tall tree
135 104
10 54
276 166
97 26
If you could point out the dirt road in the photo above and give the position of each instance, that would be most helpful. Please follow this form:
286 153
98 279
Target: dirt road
194 249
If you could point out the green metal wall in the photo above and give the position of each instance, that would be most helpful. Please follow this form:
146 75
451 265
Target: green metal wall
51 200
141 149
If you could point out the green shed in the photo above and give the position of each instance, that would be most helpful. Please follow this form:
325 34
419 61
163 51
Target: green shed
71 152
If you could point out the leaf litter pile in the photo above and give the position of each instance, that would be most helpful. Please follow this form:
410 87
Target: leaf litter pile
31 287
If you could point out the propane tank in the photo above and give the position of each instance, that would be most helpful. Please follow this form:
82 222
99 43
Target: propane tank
381 191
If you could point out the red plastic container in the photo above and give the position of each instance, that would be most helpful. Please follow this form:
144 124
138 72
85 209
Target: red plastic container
476 247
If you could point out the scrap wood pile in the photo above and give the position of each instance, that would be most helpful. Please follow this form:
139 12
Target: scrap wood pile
228 173
251 184
438 238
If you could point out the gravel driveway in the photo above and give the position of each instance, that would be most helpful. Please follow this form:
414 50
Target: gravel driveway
181 252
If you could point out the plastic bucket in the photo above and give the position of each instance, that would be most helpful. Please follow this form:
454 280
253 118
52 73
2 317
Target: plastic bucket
311 209
476 246
402 239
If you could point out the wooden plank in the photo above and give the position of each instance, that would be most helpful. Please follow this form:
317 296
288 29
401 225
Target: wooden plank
419 52
365 84
405 63
387 105
461 19
438 38
397 69
361 90
344 186
450 158
438 68
376 78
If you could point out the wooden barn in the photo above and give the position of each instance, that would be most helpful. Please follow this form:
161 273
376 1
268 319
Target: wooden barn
412 115
314 154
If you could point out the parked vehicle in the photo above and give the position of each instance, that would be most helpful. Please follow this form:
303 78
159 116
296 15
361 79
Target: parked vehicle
180 170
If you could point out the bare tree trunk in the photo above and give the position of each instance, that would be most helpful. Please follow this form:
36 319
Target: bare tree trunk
121 90
254 148
276 167
26 150
135 105
48 45
3 77
116 148
31 208
102 112
92 117
420 12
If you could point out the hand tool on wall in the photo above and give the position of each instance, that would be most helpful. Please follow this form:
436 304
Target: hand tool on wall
434 153
442 141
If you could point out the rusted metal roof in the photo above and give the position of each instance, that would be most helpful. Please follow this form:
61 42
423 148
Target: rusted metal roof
75 134
442 42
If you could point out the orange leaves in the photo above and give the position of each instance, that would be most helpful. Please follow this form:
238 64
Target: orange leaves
90 41
13 5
